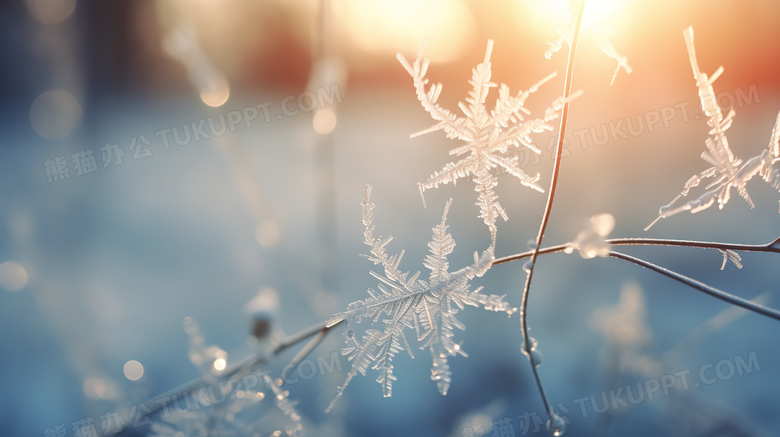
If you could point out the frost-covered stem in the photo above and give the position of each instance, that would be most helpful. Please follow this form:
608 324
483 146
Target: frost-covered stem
235 370
734 300
773 247
529 254
548 206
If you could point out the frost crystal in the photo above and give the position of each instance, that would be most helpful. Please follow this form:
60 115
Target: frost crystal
488 135
232 411
728 170
287 406
566 35
730 255
556 425
622 61
429 307
590 241
537 356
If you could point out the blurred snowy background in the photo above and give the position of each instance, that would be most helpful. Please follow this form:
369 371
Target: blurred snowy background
100 268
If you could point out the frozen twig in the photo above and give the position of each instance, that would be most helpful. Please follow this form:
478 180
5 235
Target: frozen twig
548 207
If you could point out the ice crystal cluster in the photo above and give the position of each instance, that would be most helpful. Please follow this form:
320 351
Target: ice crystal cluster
566 35
222 409
590 242
622 61
488 135
428 307
727 170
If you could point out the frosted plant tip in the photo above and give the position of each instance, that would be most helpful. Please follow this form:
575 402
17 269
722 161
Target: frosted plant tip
591 241
422 194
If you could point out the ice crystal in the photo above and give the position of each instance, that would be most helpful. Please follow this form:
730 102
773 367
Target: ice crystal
428 307
728 170
730 255
537 356
566 35
287 406
222 409
556 425
590 242
622 61
488 135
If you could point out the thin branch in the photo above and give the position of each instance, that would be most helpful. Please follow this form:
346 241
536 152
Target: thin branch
321 329
529 254
309 347
722 295
772 247
548 206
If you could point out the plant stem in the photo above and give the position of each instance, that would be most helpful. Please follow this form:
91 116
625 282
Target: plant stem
769 312
548 206
773 247
760 309
235 371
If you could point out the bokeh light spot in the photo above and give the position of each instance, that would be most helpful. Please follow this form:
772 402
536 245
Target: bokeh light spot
51 11
216 92
324 121
13 277
54 114
133 370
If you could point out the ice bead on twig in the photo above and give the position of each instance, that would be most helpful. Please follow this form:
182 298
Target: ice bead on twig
537 356
590 242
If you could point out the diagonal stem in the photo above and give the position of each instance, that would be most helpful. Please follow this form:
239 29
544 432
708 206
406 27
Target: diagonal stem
760 309
548 206
236 370
773 247
722 295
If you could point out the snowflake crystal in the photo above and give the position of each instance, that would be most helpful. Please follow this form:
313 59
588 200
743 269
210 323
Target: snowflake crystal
488 136
728 170
428 307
